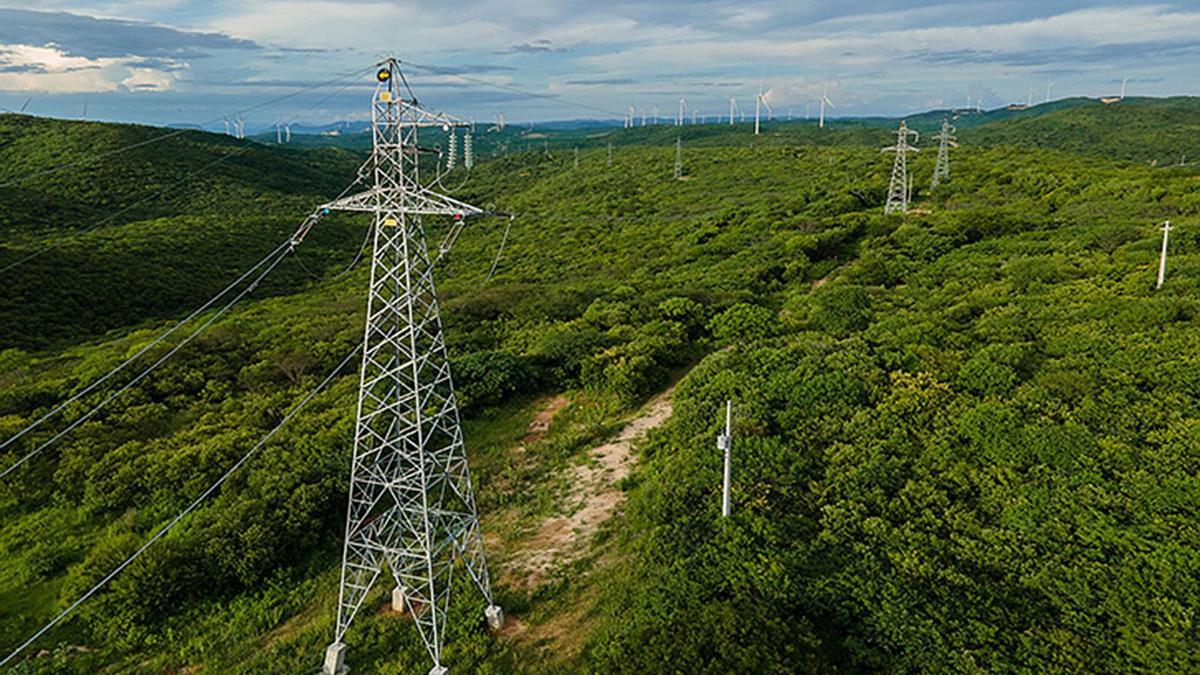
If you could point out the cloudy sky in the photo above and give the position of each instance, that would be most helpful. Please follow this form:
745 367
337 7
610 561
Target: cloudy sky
193 61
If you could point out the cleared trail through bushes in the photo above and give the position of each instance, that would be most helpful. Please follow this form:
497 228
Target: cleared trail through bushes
593 498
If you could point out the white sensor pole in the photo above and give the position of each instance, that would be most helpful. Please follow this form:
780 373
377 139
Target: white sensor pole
724 443
1162 262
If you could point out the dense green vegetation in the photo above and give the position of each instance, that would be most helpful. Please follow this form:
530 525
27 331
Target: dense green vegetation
966 439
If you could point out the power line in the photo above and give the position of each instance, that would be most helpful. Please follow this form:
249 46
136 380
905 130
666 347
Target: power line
142 375
145 349
178 132
182 514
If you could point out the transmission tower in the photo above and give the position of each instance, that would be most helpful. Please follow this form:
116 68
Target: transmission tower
898 190
411 504
946 140
678 158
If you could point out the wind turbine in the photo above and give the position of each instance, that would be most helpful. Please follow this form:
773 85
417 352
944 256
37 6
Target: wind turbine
732 107
824 102
760 100
26 104
1124 82
679 119
287 133
1049 88
655 110
629 117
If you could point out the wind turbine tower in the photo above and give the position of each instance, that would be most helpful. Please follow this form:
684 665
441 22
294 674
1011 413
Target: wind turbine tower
411 503
946 140
682 107
760 101
824 102
898 190
732 107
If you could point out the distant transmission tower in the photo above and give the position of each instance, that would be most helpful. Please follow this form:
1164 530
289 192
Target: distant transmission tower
946 140
678 158
898 191
411 503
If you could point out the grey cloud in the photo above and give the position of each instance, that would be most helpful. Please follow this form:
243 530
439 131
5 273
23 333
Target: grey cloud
90 37
542 46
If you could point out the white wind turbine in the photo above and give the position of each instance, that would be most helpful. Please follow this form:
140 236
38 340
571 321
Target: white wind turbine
760 101
679 119
732 107
825 102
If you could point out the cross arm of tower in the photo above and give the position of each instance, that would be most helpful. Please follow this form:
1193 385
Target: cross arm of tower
423 202
427 118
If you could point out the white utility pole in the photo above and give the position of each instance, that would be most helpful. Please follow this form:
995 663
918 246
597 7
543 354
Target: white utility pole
1162 262
725 444
678 158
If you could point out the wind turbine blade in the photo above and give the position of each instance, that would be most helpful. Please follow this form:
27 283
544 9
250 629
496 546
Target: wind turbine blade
26 104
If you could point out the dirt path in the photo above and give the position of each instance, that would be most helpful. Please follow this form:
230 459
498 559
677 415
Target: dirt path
593 498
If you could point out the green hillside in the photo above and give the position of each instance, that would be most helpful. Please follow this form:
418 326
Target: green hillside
965 440
1158 131
115 239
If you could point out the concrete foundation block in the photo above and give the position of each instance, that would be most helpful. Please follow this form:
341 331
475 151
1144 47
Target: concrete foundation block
495 617
335 659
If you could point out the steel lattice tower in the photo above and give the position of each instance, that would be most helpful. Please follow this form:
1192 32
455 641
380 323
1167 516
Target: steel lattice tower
946 140
898 190
411 502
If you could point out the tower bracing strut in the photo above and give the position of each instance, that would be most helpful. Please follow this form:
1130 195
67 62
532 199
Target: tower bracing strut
411 504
